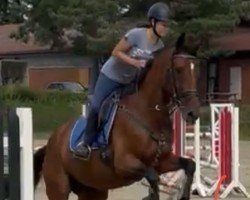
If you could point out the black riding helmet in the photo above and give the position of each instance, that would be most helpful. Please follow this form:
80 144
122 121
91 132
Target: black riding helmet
159 12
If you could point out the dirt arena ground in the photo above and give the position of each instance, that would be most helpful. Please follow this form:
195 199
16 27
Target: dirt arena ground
138 191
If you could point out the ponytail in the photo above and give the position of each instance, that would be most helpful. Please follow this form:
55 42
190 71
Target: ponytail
144 25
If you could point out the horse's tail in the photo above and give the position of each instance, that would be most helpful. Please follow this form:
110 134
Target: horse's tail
38 163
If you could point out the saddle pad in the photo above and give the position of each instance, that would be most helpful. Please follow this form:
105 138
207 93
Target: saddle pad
102 137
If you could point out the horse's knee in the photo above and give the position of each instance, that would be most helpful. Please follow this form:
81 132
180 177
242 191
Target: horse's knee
191 166
188 165
152 175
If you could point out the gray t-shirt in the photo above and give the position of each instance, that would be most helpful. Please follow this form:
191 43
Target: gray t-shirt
121 72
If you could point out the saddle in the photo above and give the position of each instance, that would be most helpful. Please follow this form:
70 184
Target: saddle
106 118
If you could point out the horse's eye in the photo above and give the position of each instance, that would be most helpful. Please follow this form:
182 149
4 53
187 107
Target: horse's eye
177 71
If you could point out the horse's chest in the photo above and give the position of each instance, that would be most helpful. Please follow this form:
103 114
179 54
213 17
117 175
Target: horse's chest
153 152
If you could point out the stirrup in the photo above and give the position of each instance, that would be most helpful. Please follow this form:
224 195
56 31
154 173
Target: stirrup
77 154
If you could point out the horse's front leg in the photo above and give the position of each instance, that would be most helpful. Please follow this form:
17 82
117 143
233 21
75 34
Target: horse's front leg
131 168
170 162
153 179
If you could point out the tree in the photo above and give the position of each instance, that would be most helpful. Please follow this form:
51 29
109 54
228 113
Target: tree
94 26
210 18
91 26
11 11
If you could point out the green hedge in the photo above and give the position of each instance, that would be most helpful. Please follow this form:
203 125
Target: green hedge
244 120
51 109
23 94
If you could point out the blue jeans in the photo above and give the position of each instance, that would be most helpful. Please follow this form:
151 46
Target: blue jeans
103 88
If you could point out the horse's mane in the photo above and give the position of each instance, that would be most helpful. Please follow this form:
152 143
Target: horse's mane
149 65
184 44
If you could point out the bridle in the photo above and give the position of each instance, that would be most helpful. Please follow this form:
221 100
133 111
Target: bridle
177 101
178 97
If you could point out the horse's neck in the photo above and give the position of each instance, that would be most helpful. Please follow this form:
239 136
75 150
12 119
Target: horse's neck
153 89
142 104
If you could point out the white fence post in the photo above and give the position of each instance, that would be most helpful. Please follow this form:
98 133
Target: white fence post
26 153
235 183
201 189
204 185
84 110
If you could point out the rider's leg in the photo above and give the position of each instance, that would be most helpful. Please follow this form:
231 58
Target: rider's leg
104 87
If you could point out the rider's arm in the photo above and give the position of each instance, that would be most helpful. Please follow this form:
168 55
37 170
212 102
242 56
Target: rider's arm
120 50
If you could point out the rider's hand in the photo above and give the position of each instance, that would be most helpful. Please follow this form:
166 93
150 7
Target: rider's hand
139 63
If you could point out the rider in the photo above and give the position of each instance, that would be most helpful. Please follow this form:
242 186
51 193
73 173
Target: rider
120 69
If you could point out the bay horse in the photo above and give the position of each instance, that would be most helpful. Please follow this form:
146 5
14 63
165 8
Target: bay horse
141 137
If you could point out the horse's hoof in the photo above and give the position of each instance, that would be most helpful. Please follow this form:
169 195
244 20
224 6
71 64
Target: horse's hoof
195 192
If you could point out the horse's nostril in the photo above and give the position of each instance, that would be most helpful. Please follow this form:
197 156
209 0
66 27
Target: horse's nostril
191 117
190 114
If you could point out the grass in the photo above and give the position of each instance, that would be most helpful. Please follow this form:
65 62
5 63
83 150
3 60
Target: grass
244 127
244 131
48 117
244 111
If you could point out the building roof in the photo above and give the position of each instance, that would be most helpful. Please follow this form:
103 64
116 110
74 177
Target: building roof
238 40
13 46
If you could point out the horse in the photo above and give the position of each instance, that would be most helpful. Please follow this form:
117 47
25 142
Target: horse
140 143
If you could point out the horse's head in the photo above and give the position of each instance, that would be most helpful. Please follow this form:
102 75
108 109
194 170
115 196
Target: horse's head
183 75
169 80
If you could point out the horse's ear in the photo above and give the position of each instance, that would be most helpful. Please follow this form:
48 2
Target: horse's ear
180 41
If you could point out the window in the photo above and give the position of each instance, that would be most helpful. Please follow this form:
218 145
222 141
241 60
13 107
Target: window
211 85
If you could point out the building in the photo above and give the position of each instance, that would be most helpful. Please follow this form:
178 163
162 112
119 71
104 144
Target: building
227 77
35 66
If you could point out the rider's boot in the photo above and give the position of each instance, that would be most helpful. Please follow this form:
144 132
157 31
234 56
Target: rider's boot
83 149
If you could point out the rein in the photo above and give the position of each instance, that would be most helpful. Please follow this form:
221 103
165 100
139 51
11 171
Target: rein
133 117
160 139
